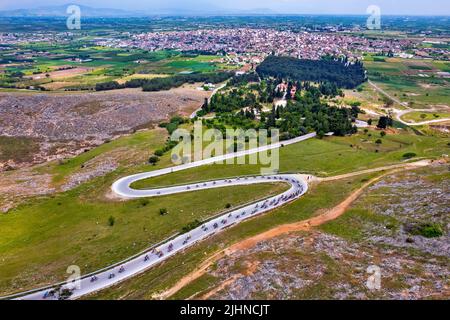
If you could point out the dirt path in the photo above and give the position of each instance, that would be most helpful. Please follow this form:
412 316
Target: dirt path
400 113
305 225
220 287
377 88
410 165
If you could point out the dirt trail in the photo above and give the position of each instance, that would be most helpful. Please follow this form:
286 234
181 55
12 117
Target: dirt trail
252 267
400 113
220 287
377 88
411 165
305 225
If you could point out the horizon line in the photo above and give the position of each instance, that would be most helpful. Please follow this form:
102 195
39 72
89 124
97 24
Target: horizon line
131 14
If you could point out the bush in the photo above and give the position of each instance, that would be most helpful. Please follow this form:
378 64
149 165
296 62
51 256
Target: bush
427 230
177 120
163 211
159 153
379 141
143 202
171 127
228 206
158 84
384 122
409 155
111 221
191 226
110 85
431 231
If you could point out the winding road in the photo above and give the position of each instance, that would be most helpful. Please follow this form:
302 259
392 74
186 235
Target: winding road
119 272
194 114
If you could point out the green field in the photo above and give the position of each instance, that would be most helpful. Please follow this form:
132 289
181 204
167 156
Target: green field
104 63
416 82
352 227
425 116
325 195
326 157
187 64
46 235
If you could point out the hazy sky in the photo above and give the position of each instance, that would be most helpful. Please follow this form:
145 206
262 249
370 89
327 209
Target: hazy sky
413 7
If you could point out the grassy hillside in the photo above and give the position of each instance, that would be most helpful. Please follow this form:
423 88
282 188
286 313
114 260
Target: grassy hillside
45 235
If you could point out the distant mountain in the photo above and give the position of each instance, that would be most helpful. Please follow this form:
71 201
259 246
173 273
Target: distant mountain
209 10
61 11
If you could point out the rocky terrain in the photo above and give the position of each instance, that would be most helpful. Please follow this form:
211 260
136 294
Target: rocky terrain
21 184
322 266
412 200
67 124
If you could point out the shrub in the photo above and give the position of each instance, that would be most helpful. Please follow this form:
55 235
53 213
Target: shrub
171 127
228 206
163 211
110 85
177 119
159 153
379 141
431 231
153 160
111 221
191 226
427 230
409 155
143 202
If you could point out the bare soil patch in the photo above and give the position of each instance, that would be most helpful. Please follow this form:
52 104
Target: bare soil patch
61 74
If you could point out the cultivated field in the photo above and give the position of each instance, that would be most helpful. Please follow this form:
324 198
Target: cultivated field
419 83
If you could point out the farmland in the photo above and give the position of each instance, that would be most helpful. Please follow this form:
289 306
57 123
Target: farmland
81 66
84 111
419 83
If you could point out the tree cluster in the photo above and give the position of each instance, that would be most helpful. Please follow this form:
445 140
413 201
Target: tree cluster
338 71
159 84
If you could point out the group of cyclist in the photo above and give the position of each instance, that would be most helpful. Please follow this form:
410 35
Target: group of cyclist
159 253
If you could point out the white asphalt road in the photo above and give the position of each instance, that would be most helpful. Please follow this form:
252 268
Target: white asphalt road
400 113
138 264
194 114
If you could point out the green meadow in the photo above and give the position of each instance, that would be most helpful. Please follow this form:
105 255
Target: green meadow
47 234
102 64
416 82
